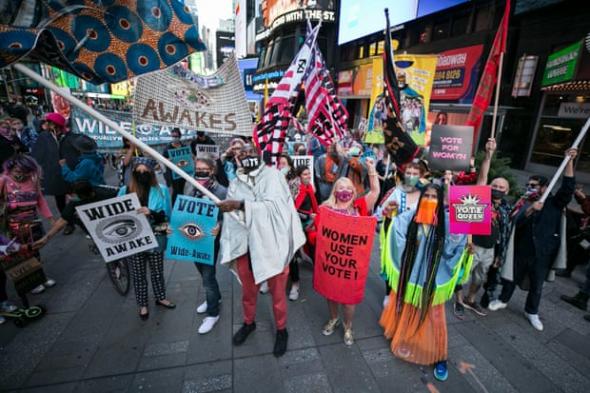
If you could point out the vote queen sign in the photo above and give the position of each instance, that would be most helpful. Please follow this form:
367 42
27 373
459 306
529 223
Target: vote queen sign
470 210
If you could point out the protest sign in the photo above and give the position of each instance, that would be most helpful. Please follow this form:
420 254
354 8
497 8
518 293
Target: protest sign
23 269
303 161
108 139
207 151
191 223
471 210
450 147
216 103
116 227
343 254
182 157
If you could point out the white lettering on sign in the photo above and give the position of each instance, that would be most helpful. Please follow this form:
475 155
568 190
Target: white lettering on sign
452 60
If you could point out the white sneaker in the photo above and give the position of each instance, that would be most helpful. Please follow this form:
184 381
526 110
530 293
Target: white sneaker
208 324
49 283
385 301
37 290
535 321
496 305
264 287
294 293
202 309
6 306
2 320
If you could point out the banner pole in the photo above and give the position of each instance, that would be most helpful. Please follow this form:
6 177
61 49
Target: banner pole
565 161
137 142
497 98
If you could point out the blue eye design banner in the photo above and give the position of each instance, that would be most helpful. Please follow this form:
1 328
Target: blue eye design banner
182 158
116 228
192 223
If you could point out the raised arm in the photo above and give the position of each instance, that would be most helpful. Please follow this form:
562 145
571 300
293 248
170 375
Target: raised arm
484 170
375 188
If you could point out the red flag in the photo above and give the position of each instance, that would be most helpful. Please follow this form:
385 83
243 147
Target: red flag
484 92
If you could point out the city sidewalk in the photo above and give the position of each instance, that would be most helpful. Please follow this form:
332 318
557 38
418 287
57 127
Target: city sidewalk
92 340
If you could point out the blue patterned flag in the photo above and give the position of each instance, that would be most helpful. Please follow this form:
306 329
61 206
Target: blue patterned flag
101 40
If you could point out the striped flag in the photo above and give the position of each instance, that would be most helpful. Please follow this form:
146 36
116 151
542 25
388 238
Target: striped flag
398 143
326 115
269 134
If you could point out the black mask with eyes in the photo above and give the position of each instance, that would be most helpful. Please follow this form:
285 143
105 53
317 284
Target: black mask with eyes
250 163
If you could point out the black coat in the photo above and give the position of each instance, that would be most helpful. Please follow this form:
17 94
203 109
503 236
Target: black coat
67 150
46 152
539 235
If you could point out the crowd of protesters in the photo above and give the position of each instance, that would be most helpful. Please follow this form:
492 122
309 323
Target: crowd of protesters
280 205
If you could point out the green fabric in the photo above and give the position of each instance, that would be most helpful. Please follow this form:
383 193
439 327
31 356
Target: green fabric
413 294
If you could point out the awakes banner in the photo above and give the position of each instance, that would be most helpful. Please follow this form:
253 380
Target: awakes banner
471 210
191 223
108 139
415 74
342 257
116 228
178 97
182 158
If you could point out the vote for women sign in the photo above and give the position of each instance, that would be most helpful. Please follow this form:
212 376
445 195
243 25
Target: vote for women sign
450 147
116 227
182 157
342 257
192 222
471 210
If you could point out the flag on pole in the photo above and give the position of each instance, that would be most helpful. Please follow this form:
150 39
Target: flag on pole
484 92
326 115
399 144
269 134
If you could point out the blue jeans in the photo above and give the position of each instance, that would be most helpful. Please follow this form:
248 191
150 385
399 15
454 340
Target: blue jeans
212 293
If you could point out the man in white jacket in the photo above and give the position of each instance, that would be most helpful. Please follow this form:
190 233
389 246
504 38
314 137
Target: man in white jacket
260 247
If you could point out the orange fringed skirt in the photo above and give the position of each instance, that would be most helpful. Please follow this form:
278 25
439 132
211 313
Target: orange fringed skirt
425 344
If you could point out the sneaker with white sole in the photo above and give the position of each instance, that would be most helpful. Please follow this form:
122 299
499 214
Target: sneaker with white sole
202 309
294 293
38 289
264 287
6 306
535 321
208 324
49 283
496 305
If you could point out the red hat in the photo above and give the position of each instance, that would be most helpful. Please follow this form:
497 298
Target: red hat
56 118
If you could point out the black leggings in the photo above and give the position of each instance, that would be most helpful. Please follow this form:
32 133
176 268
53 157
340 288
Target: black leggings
294 268
60 201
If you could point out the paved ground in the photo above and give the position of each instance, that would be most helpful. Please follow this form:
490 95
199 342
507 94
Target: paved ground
92 341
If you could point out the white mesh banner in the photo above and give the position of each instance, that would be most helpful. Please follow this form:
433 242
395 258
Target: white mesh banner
179 98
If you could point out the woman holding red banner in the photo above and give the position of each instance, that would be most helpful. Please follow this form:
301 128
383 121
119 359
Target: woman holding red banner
423 262
343 199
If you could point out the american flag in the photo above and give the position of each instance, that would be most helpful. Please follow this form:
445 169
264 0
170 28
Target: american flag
327 116
269 134
398 143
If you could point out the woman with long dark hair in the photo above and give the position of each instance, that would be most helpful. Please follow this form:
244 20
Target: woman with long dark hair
20 190
155 204
423 263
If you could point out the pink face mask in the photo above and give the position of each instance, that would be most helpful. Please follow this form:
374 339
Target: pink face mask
343 196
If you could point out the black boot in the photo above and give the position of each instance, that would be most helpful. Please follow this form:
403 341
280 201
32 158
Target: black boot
580 300
242 334
281 343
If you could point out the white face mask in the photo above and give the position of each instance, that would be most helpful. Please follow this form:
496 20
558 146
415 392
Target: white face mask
285 170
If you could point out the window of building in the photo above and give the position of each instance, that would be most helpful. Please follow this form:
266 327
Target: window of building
483 19
460 25
268 53
286 50
440 30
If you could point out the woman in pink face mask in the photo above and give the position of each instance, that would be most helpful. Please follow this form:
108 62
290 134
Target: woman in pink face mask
344 199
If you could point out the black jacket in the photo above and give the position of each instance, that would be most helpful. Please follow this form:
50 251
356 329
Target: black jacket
9 148
67 150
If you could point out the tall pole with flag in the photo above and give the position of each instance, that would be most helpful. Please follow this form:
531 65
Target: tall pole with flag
492 74
400 146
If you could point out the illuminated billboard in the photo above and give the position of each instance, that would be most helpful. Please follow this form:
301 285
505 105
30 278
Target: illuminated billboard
355 23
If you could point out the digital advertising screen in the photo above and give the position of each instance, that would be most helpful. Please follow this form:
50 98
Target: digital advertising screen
354 22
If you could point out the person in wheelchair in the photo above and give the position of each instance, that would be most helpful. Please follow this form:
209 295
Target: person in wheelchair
84 193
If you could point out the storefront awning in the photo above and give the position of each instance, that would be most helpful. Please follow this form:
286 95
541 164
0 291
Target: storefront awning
581 86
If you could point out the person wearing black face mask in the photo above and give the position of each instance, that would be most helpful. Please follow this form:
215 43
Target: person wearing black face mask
262 245
177 185
489 250
155 202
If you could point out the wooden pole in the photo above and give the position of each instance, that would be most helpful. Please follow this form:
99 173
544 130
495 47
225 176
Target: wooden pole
497 98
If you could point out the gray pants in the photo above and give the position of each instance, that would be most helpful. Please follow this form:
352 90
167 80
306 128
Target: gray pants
138 264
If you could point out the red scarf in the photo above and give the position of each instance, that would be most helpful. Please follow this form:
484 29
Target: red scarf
304 191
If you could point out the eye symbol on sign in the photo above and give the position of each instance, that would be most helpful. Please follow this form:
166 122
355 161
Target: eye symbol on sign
119 229
182 163
191 231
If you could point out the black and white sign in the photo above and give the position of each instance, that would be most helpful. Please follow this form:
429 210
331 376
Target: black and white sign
207 151
450 147
116 227
303 161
